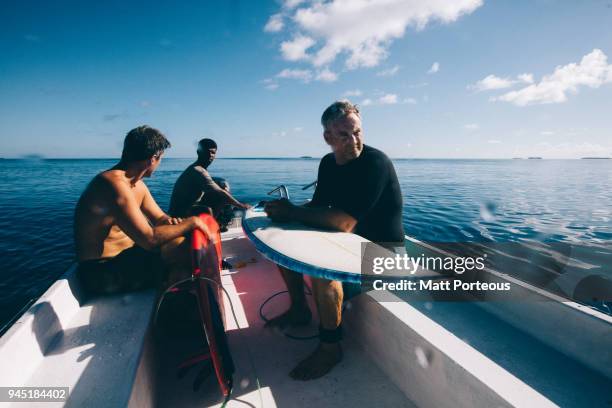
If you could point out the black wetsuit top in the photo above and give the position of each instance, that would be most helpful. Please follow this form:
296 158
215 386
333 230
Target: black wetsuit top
367 189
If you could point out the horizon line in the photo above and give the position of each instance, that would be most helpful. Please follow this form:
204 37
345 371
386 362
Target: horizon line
40 157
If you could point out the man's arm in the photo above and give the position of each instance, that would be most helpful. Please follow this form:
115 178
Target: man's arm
228 198
208 186
322 217
135 224
316 213
331 218
153 212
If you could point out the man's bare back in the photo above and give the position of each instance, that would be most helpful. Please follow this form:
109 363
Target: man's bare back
96 232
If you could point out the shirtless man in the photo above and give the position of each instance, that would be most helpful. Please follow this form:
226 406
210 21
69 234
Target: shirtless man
195 189
357 191
119 229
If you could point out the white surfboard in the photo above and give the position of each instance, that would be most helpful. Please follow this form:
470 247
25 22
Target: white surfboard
324 254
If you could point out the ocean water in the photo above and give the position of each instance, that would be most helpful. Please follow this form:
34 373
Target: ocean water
537 204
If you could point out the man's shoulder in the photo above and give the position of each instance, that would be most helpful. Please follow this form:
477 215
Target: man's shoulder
192 173
371 154
105 187
198 169
113 183
374 152
329 156
327 159
108 179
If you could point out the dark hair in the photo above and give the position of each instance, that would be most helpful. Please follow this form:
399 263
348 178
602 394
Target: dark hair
142 143
206 144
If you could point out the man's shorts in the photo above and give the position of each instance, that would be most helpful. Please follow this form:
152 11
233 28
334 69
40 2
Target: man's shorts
133 269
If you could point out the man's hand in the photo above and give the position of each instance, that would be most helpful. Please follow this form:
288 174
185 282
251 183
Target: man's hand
245 206
170 221
199 224
280 210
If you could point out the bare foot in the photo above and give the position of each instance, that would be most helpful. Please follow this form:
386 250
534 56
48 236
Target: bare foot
319 363
292 318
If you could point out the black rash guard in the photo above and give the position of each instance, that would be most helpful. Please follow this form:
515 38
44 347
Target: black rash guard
367 189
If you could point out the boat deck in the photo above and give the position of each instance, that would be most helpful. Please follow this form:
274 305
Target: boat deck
397 352
268 355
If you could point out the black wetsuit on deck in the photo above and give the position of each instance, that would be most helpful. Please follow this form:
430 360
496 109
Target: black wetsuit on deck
367 189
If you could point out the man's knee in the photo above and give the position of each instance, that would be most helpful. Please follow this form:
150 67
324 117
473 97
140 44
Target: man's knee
176 256
326 286
176 251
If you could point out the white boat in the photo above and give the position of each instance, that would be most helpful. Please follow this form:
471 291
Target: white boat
538 353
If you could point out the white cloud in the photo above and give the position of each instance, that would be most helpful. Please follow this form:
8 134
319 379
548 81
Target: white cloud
326 75
592 71
304 75
434 68
388 99
290 4
493 141
332 25
388 72
298 129
471 126
492 82
270 84
281 133
274 24
295 49
354 92
547 133
527 78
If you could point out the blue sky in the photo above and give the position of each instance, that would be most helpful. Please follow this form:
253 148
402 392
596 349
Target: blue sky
447 79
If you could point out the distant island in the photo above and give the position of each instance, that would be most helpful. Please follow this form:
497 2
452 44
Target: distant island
33 156
596 158
306 157
535 158
517 158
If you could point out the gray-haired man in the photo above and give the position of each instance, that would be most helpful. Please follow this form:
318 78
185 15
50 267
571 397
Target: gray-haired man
357 191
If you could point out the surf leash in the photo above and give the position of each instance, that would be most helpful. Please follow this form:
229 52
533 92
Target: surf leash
247 348
263 317
266 320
